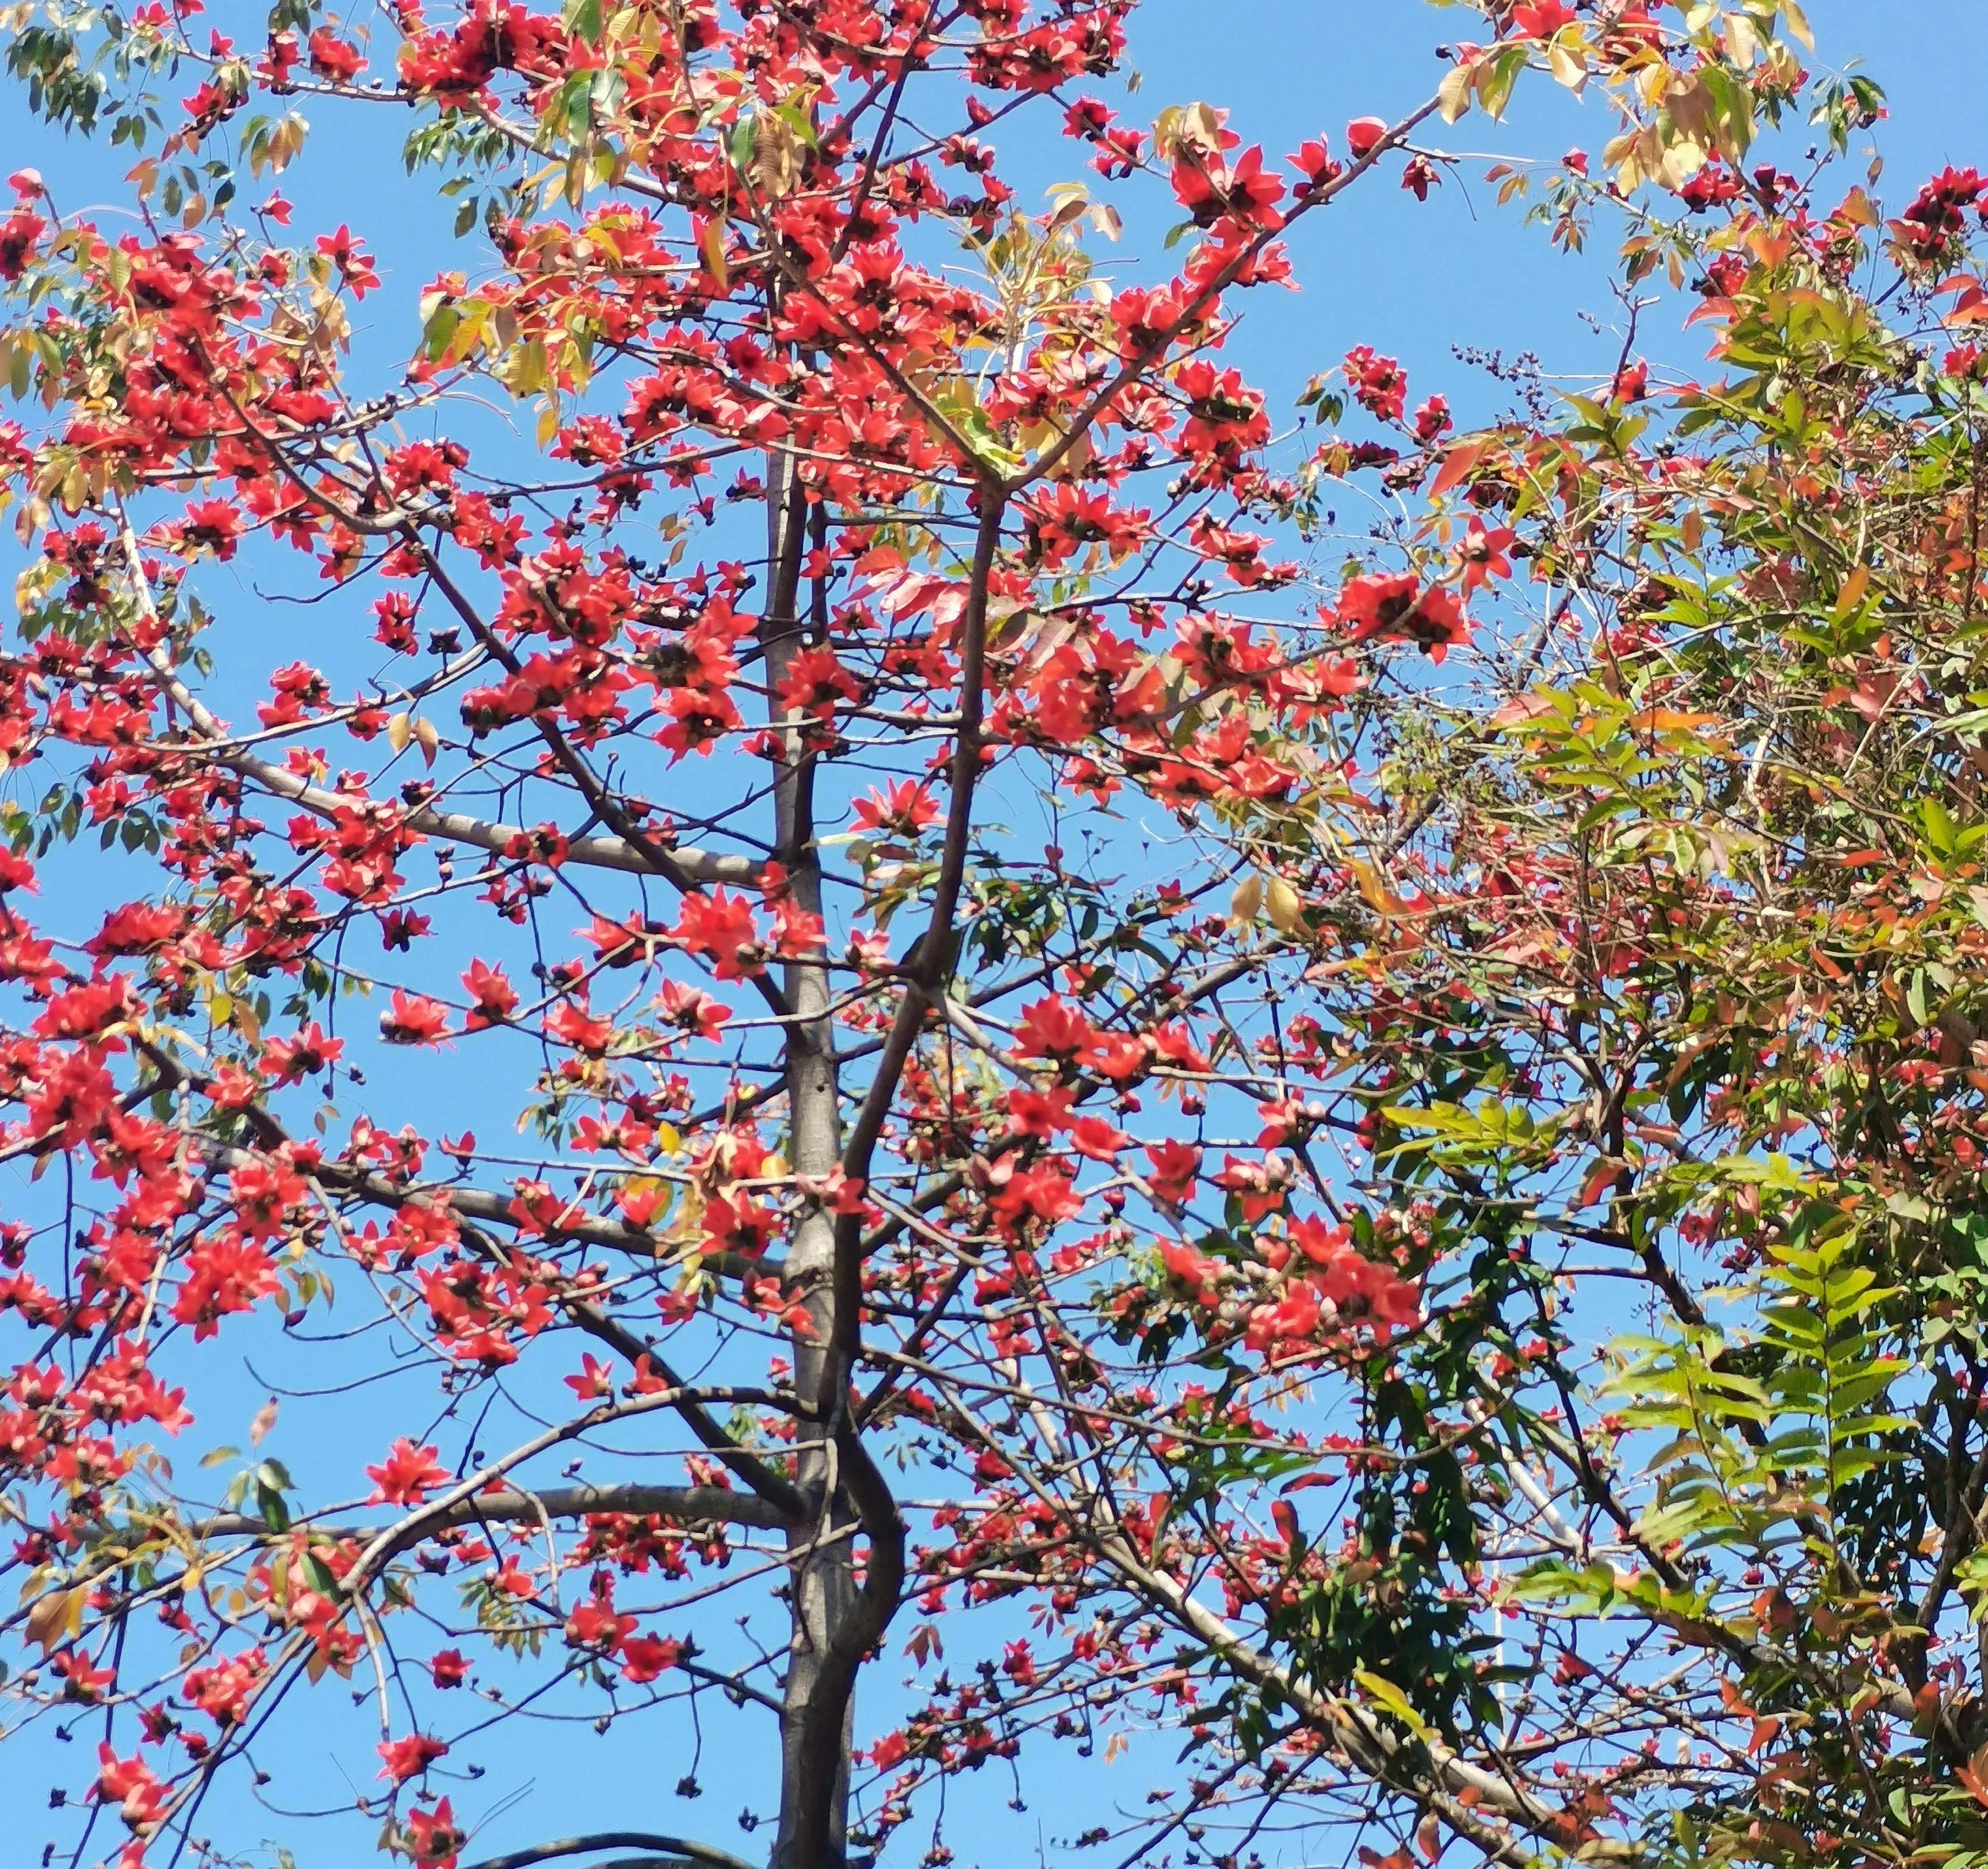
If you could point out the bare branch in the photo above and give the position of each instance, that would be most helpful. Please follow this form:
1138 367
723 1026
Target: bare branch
678 1848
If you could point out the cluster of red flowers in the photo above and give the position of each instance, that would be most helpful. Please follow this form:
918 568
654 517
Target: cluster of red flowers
1935 221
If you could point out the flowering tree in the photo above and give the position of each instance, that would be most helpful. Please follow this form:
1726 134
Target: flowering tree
1197 1277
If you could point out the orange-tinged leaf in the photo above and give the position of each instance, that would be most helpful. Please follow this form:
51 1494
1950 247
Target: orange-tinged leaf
1457 463
1600 1178
1770 246
711 244
1974 1776
1858 209
1970 307
1669 720
1852 593
1374 887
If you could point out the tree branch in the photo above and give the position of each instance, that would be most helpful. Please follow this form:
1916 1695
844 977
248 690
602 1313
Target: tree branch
689 1504
680 1848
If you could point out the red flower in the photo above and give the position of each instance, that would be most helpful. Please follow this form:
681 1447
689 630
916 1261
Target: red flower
302 1055
1364 133
129 1783
83 1682
1064 517
571 1023
1192 1268
496 998
212 525
414 1019
1313 161
332 57
691 1010
737 1224
1379 384
721 926
138 928
1388 610
1147 321
815 684
1175 1164
223 1691
644 1657
411 1757
407 1474
594 1623
1092 1136
1482 554
354 264
432 1838
1540 18
1209 189
224 1276
1053 1028
18 232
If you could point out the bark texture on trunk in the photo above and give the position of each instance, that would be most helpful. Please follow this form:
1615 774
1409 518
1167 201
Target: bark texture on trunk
821 1584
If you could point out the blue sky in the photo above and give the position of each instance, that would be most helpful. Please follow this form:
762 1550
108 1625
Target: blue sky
1417 281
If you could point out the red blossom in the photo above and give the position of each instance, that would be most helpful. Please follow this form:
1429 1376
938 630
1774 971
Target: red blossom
407 1475
645 1659
409 1757
414 1019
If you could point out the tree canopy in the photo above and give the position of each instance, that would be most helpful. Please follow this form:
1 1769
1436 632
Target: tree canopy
1128 1118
